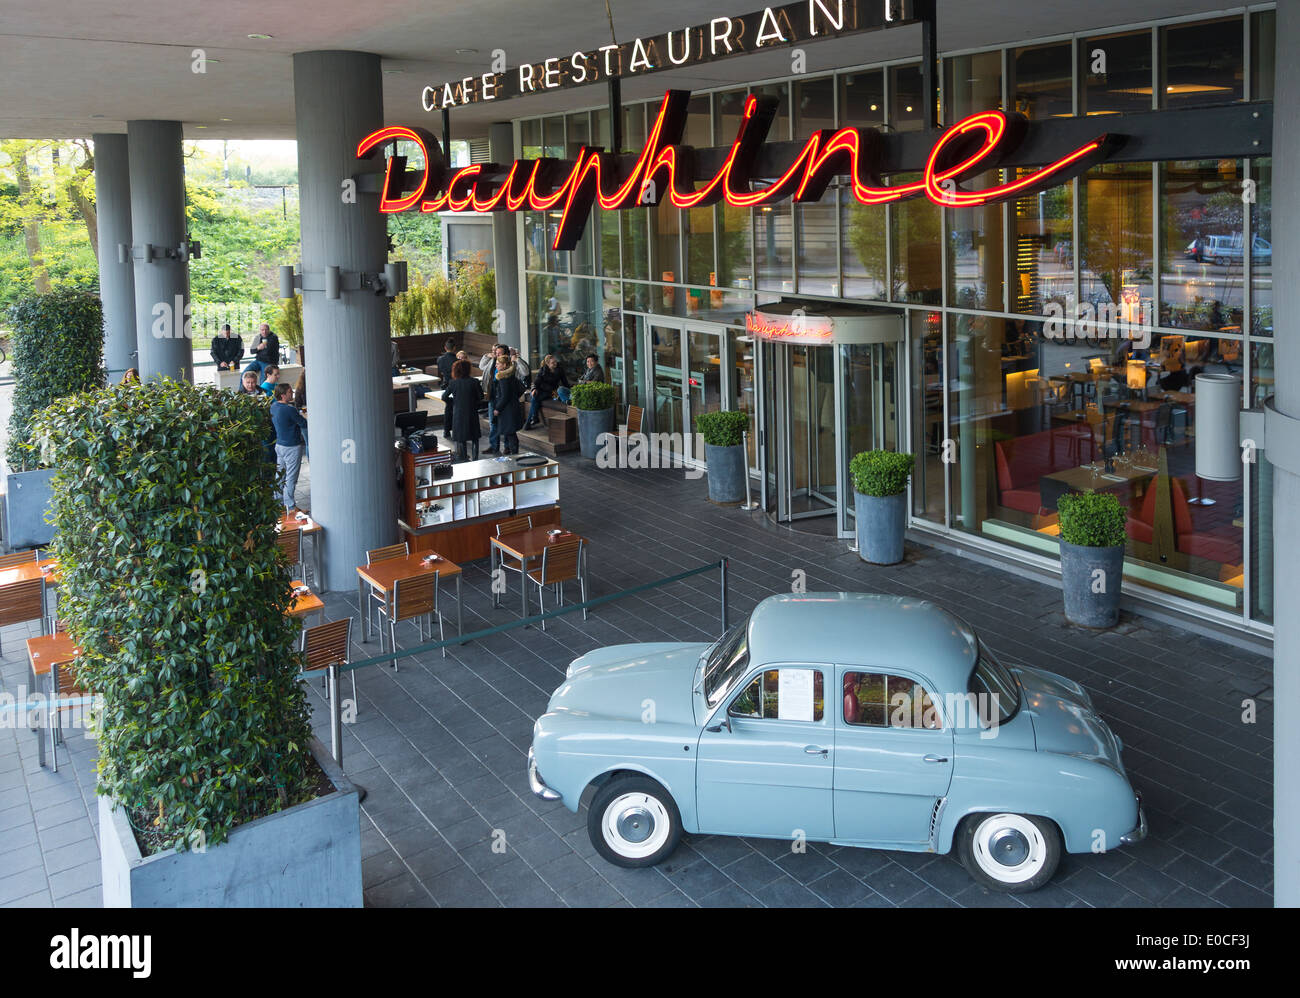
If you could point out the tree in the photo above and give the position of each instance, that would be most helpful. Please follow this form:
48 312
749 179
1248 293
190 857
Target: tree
27 210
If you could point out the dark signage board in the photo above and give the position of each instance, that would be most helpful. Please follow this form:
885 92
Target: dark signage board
719 38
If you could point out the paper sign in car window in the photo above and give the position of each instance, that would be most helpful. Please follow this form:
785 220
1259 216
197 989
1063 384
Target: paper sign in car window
795 695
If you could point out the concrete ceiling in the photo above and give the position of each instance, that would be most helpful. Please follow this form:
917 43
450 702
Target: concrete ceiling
72 67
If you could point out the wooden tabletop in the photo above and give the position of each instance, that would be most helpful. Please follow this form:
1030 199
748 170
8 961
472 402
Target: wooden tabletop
289 522
1082 478
383 575
30 570
50 650
531 543
302 605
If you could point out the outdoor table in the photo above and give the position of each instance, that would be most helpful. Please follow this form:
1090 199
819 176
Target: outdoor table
302 606
47 569
310 528
384 575
43 653
409 381
527 545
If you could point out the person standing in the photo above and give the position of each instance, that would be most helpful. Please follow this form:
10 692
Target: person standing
265 346
550 382
289 426
522 371
447 361
226 349
488 365
506 389
593 372
461 399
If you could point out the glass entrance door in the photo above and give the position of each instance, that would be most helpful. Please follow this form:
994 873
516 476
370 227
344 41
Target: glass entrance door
690 373
805 444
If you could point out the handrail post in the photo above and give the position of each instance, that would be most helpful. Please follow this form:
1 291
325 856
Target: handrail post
336 715
750 505
722 565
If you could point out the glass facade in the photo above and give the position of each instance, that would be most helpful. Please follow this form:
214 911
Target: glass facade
1050 343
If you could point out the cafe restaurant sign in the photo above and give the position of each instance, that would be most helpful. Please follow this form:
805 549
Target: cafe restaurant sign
666 169
771 27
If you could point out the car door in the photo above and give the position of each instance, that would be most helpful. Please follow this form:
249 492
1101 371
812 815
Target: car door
893 757
768 770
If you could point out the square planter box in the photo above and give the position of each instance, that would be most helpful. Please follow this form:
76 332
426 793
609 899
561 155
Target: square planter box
306 857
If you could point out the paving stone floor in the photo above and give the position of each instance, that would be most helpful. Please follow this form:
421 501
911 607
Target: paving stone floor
440 743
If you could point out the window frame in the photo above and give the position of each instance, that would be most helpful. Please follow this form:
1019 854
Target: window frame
758 673
915 679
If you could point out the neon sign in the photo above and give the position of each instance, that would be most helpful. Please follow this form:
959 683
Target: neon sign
800 329
665 168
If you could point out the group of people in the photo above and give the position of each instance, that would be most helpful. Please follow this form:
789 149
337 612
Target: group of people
228 349
504 383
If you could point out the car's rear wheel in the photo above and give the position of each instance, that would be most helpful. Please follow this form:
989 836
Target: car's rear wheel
634 822
1012 853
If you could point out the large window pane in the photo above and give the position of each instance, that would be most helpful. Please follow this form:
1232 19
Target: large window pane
1042 254
973 83
1041 85
1261 258
634 226
1115 73
915 234
699 245
728 106
1263 26
1201 63
699 125
735 240
814 223
1202 261
906 103
579 134
862 99
975 249
530 138
1115 264
774 265
864 228
926 341
553 136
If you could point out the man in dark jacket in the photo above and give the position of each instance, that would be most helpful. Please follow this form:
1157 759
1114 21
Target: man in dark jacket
445 364
266 345
289 425
226 349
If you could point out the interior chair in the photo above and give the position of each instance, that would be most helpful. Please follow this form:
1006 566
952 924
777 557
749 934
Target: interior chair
16 558
561 563
63 685
413 599
635 414
23 601
514 525
290 543
329 644
852 709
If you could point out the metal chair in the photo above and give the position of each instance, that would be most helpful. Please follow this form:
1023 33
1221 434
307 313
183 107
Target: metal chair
63 684
413 599
23 601
382 554
329 644
561 562
290 542
514 525
17 558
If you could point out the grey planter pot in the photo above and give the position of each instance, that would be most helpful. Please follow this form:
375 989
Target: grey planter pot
28 498
306 857
591 424
726 473
1091 580
881 522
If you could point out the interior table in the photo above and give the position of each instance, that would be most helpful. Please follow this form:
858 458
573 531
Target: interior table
384 576
43 653
526 546
310 528
409 382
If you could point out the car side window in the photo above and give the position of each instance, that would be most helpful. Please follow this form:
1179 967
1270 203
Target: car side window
786 694
879 700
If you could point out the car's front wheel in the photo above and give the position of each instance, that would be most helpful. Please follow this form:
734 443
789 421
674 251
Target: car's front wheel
633 822
1012 853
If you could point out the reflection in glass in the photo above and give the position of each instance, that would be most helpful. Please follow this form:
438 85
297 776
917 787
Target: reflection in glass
1042 254
1115 266
973 83
1115 73
915 238
1041 85
1201 266
774 254
1261 260
1201 63
906 103
1263 27
862 99
975 258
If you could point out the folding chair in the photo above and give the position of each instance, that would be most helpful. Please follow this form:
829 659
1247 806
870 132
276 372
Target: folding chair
413 599
561 562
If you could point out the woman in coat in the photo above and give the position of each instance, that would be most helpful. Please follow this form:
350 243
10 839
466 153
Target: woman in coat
460 399
506 389
550 382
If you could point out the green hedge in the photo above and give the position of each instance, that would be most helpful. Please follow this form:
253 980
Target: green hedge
174 587
58 349
1093 519
881 472
594 395
722 429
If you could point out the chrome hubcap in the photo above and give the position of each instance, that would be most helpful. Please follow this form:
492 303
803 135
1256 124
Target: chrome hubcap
635 824
1008 847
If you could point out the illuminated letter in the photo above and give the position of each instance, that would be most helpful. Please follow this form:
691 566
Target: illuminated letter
551 71
639 56
715 37
836 22
526 68
448 96
492 94
607 49
579 62
390 199
466 88
766 34
686 33
425 101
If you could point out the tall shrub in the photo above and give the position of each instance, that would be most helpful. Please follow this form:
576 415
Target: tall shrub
174 588
58 349
290 321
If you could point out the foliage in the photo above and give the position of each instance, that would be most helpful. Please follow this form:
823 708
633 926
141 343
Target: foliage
440 304
58 349
722 429
593 395
241 249
1092 519
916 224
175 590
881 472
417 239
406 311
289 321
475 295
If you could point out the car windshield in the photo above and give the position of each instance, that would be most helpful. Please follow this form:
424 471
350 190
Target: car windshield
991 681
726 662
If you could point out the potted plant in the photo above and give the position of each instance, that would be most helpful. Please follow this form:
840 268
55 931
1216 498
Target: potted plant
290 323
213 790
1092 556
58 349
724 454
880 503
595 404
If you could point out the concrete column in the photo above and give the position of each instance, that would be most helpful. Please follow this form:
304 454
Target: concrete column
116 279
162 285
338 98
1283 446
505 246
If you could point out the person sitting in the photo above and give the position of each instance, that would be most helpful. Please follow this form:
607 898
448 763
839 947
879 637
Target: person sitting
248 384
226 349
594 371
461 399
271 376
550 381
265 346
131 377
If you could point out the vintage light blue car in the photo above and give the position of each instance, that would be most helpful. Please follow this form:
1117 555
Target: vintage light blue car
925 743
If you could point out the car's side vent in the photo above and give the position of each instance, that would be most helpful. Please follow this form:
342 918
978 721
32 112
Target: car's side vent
934 817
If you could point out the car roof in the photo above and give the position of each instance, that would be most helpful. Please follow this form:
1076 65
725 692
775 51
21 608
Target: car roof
866 629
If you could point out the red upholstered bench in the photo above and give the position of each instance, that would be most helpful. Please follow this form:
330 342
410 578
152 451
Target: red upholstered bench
1222 545
1021 462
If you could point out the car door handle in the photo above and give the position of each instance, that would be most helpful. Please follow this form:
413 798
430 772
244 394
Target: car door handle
815 750
935 758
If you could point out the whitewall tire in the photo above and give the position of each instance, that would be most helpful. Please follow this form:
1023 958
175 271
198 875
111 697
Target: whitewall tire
1012 853
634 822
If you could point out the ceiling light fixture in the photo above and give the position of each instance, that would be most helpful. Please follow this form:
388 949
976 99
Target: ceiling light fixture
260 37
467 51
